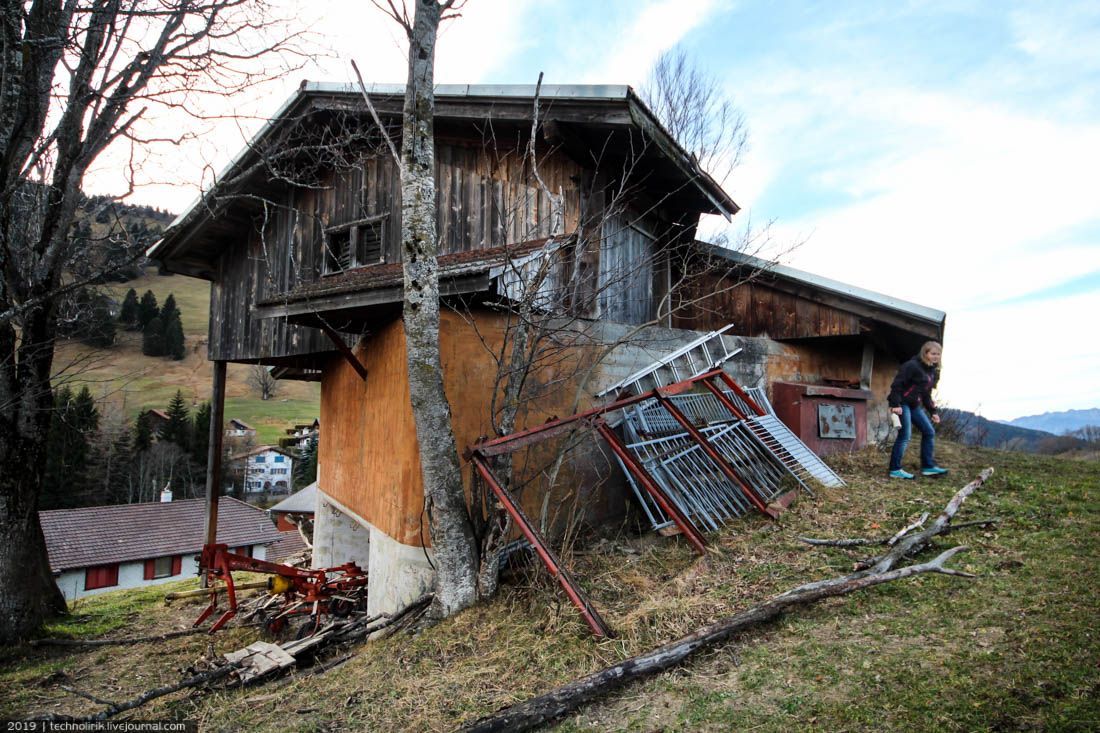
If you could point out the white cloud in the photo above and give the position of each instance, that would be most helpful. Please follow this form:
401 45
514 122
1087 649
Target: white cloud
657 27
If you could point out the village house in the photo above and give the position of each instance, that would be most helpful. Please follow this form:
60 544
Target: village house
596 227
264 469
235 428
299 436
102 548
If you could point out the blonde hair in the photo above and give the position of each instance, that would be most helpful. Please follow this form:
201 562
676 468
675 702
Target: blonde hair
928 346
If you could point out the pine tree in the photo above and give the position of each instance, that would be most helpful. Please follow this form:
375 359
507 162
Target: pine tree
128 317
143 435
200 434
169 308
74 421
99 326
178 427
305 469
174 345
152 339
147 309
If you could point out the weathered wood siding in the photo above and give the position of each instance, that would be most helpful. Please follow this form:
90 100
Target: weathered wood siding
485 199
627 269
716 299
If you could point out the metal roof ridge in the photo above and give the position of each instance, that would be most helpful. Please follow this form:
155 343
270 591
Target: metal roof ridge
836 286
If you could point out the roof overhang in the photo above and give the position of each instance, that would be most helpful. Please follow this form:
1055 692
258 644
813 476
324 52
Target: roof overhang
190 245
918 320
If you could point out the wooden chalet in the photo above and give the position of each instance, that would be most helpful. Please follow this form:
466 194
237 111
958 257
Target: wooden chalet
300 240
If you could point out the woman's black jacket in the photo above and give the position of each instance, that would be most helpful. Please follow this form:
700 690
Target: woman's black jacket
913 385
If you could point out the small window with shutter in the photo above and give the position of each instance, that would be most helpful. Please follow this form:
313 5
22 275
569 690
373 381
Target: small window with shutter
354 244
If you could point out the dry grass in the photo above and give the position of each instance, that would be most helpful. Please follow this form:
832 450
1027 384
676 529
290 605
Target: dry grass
1014 649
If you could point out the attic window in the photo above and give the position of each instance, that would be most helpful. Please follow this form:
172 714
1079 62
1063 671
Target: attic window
354 244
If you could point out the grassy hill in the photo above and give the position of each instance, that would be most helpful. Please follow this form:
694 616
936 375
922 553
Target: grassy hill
134 382
1013 649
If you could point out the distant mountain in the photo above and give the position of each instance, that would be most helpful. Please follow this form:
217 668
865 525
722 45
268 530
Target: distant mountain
966 427
1059 423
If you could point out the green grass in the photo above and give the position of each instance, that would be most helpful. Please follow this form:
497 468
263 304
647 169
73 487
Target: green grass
125 379
1014 649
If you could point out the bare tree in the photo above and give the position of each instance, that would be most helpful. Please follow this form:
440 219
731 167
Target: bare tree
697 112
78 77
454 550
263 381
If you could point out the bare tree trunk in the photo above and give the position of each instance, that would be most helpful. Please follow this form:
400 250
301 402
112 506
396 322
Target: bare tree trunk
454 549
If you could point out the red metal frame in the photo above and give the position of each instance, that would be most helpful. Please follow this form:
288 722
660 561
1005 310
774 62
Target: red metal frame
312 590
549 559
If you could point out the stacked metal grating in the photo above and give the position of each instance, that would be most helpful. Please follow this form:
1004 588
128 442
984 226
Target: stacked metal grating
763 451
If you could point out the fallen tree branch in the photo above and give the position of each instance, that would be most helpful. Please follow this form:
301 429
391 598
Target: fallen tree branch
114 642
541 709
176 595
538 710
87 695
201 678
906 530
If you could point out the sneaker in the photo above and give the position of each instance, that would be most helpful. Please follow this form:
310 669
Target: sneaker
900 474
934 471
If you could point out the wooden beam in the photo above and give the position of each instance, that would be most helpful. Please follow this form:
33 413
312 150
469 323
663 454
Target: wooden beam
214 456
347 353
868 364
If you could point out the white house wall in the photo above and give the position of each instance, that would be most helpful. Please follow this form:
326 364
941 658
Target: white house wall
132 575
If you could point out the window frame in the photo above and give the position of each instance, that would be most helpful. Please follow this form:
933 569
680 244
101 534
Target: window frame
109 571
342 250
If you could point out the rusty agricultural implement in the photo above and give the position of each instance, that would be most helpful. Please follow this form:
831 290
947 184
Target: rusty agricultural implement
313 593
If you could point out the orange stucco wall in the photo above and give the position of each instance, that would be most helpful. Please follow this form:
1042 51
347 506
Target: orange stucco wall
369 460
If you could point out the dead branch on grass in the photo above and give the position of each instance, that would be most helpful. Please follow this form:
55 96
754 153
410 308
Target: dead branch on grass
115 642
554 704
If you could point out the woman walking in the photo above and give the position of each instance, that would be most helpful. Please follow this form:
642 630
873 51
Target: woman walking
911 400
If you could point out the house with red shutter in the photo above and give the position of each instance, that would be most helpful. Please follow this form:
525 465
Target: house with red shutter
102 548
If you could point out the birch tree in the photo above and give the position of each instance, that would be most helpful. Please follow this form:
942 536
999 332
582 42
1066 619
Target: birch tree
454 551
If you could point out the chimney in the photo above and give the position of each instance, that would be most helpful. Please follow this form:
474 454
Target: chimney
166 494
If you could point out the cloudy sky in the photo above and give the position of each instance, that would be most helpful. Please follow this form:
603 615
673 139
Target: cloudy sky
946 153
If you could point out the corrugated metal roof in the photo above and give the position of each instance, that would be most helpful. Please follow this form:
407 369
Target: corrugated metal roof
774 269
300 502
101 535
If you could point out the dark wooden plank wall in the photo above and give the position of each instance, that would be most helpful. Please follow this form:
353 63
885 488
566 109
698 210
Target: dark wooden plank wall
484 199
627 269
716 299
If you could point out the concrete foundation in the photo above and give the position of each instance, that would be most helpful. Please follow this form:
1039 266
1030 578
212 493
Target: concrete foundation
399 574
338 535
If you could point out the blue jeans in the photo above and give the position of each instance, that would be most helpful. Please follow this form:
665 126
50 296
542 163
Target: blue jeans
914 416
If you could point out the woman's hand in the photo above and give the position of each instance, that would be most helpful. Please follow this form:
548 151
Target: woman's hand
895 410
936 419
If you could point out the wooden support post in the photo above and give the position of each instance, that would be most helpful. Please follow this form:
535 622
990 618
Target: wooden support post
346 351
867 365
214 457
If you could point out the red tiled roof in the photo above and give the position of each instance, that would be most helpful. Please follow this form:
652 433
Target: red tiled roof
390 274
77 538
290 544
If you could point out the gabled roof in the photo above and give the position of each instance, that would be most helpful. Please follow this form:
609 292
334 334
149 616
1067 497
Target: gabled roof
586 106
300 502
921 320
101 535
261 449
241 424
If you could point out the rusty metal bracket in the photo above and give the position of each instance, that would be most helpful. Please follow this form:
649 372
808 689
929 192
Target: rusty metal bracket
549 559
346 351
